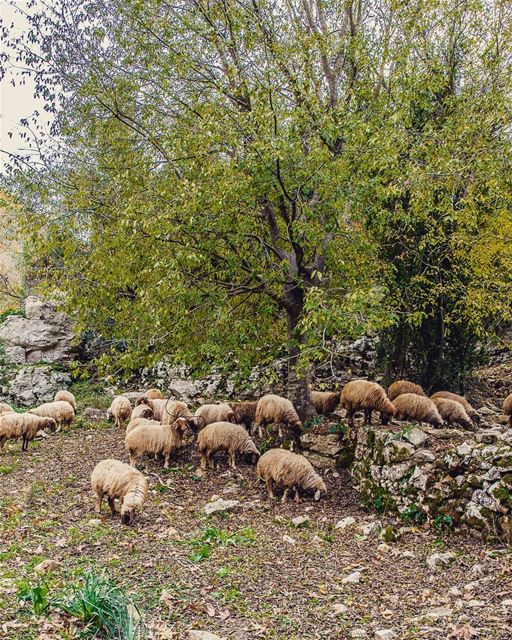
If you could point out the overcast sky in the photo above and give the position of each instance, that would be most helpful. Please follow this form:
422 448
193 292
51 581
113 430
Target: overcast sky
16 102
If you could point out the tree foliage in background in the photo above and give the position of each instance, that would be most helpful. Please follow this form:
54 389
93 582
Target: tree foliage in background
228 178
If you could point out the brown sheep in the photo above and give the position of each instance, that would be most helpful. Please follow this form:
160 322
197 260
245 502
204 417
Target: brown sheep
175 409
453 413
279 467
325 402
117 480
155 439
142 411
23 425
507 409
154 394
120 410
471 411
210 413
274 409
61 411
245 413
67 396
157 406
224 436
361 395
410 406
404 386
5 408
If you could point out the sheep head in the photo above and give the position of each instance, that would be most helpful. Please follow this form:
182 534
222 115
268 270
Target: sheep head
320 488
50 424
127 515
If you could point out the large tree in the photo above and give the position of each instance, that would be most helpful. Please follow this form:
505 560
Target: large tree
227 177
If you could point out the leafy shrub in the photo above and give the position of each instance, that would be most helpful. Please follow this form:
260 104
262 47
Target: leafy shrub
213 537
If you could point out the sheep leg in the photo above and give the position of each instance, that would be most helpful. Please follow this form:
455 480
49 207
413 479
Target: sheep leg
350 417
166 460
112 505
232 459
133 459
280 431
24 444
59 426
297 495
204 461
270 488
260 431
285 495
97 504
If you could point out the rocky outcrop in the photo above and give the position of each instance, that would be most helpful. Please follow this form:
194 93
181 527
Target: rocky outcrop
448 478
34 385
42 335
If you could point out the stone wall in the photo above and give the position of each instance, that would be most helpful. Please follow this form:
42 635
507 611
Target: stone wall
447 477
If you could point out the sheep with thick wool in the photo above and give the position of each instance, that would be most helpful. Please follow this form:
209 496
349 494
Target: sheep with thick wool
5 408
224 436
175 409
157 406
404 386
61 411
507 409
274 409
283 468
153 438
410 406
245 413
362 395
120 410
325 402
23 425
471 411
136 422
453 413
141 411
119 481
67 396
210 413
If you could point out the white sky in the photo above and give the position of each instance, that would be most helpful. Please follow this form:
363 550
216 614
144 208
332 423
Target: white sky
16 102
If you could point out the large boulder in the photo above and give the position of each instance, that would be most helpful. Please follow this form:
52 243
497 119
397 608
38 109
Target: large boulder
34 385
43 335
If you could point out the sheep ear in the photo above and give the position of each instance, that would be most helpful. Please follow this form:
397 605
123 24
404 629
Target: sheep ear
317 495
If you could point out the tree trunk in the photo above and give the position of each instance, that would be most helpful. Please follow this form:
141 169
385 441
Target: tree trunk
298 379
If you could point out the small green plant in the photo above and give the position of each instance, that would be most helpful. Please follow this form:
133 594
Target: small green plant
413 513
338 428
443 522
314 421
36 596
265 445
213 537
103 608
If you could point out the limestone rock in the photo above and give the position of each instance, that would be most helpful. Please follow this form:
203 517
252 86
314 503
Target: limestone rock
45 566
202 635
352 578
94 415
345 522
34 385
300 521
220 505
328 445
398 451
416 436
440 560
43 335
385 634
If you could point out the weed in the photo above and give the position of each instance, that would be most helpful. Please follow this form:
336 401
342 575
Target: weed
213 537
36 596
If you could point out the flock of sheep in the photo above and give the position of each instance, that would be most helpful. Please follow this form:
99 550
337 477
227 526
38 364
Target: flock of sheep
156 426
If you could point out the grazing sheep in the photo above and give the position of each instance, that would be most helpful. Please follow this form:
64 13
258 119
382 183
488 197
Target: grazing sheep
325 402
410 406
245 413
453 412
5 408
157 406
151 437
175 409
507 409
67 396
273 409
120 410
471 411
154 394
224 436
23 425
141 411
210 413
404 386
117 480
361 395
61 411
279 467
136 422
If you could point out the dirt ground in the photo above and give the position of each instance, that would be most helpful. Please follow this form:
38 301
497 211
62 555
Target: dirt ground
261 576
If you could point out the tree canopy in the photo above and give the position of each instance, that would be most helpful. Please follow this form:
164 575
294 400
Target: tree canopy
229 180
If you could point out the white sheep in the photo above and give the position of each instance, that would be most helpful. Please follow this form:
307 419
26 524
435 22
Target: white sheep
224 436
274 409
61 411
67 396
120 410
23 425
119 481
155 439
